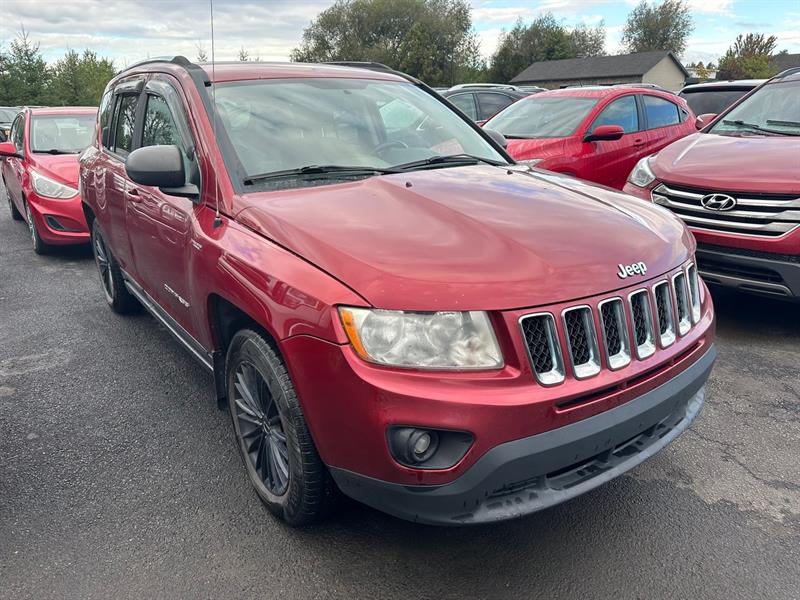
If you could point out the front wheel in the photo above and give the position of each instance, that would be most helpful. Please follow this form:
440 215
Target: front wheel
117 295
39 246
272 435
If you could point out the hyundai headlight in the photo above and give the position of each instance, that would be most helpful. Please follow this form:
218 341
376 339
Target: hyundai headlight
642 175
44 186
439 340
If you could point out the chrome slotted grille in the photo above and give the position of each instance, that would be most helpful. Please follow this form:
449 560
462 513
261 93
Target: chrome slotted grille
767 215
651 318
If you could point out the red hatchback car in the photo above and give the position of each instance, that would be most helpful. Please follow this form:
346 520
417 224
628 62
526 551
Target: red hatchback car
597 133
40 173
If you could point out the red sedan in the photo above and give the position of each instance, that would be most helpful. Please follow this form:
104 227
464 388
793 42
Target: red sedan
40 173
596 133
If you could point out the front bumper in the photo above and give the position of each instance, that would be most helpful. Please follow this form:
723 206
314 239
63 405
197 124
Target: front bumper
529 474
59 222
761 273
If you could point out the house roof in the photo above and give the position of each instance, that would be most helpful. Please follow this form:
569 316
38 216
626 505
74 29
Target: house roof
593 67
781 62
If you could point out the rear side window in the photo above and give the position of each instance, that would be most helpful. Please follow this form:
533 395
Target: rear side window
124 124
622 112
492 103
465 102
660 112
712 101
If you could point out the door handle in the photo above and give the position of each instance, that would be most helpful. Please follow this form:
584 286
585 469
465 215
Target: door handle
132 194
638 142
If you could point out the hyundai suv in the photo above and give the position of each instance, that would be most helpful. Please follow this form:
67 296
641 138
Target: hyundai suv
737 185
400 314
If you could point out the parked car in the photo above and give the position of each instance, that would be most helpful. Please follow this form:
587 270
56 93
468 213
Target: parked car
7 114
398 313
737 185
481 103
715 96
40 173
596 133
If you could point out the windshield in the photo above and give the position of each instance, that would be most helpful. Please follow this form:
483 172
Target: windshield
61 134
711 101
284 125
7 114
537 117
772 110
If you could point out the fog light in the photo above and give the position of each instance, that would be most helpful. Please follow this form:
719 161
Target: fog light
427 448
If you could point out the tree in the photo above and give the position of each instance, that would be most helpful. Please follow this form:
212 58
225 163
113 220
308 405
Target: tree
201 52
544 38
78 80
244 55
749 57
429 39
663 27
23 77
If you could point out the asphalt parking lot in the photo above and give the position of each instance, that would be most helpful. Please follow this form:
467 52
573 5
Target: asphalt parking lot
119 478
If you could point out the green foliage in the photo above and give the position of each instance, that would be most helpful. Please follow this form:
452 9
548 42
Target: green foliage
658 27
544 38
74 80
749 58
429 39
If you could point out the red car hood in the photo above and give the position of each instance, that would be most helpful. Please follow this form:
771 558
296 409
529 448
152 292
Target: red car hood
744 164
61 167
466 238
537 148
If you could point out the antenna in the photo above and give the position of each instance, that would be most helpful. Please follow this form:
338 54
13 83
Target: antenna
217 218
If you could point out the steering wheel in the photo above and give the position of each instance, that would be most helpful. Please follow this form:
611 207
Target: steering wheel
386 145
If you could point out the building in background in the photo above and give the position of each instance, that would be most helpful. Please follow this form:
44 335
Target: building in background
661 68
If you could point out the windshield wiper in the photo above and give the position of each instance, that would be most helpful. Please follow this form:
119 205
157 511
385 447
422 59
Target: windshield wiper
445 159
519 137
317 170
782 122
56 151
754 127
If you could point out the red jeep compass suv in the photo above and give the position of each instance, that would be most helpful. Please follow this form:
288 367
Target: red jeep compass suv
737 185
395 312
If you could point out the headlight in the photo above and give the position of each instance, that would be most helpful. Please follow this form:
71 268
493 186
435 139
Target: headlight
48 188
440 340
642 175
531 162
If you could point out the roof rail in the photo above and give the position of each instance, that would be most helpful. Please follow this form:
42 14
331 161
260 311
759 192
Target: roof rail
372 66
787 72
178 60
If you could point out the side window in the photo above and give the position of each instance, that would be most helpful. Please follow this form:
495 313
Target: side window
660 112
620 112
159 126
18 133
492 103
123 124
105 112
465 102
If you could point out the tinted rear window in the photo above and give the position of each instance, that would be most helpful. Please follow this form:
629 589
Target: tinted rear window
711 101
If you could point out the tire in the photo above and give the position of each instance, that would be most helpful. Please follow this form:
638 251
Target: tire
116 294
39 245
15 214
271 433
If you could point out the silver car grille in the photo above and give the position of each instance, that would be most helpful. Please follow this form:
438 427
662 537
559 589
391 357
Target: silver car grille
765 215
649 319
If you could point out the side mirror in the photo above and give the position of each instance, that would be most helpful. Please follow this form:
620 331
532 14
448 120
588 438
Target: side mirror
9 149
497 137
161 167
704 119
604 133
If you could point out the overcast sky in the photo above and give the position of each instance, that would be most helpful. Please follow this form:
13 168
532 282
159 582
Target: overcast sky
127 30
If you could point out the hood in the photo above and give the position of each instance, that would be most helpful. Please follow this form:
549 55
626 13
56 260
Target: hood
769 164
537 148
61 167
469 238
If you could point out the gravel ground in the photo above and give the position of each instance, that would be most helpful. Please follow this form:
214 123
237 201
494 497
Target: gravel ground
119 478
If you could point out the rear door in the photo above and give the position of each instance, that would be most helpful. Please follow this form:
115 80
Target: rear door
610 161
664 120
160 226
465 101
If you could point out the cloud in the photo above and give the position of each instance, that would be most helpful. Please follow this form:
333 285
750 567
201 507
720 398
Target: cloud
719 7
